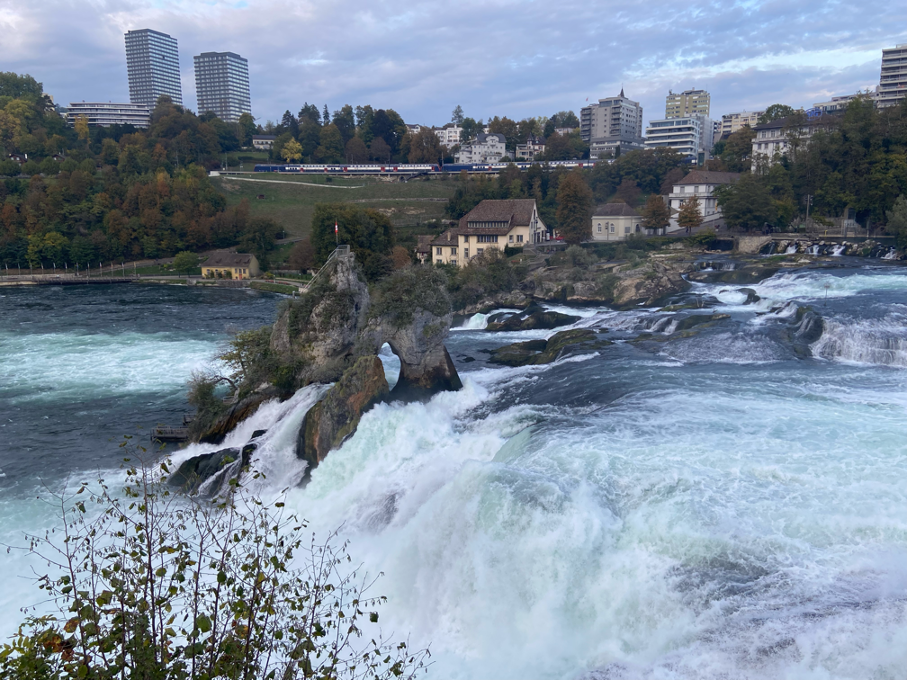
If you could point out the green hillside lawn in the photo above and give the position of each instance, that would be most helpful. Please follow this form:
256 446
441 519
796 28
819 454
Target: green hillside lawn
291 202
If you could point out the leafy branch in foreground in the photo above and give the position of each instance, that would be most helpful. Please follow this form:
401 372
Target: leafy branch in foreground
148 584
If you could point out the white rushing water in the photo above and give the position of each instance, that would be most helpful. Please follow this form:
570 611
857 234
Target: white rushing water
710 508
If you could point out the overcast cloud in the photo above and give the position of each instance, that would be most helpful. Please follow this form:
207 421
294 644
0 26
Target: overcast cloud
496 57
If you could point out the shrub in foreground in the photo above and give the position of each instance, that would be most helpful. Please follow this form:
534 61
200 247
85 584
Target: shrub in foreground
150 584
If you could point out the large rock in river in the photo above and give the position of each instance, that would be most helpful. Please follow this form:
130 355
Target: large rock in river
335 417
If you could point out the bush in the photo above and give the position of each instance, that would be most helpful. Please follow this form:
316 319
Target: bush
485 275
702 239
410 289
152 585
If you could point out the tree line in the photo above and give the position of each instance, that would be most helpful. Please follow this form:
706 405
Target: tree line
362 134
106 194
853 163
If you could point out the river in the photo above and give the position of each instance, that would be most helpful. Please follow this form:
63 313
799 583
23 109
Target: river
710 506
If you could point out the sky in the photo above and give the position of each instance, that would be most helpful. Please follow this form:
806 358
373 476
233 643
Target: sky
514 58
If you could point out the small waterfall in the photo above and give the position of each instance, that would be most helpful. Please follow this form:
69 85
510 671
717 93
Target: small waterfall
791 249
837 250
892 254
814 250
879 342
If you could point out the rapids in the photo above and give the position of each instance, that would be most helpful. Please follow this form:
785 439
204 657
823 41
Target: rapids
703 505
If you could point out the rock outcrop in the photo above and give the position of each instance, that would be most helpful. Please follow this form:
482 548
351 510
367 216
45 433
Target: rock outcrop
616 285
212 471
335 417
535 352
533 317
239 411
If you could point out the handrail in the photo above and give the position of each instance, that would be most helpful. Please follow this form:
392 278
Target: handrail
340 250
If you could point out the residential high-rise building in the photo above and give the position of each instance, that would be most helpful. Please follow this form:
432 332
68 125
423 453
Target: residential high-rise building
611 123
222 85
687 103
153 67
692 136
892 76
732 122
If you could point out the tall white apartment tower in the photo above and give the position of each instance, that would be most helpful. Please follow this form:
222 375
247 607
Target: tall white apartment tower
153 67
222 85
892 76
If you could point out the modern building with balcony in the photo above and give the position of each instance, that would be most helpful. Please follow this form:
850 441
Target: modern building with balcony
893 77
222 85
105 114
610 124
153 67
692 137
687 103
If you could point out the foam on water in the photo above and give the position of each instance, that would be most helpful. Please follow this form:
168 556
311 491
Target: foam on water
703 515
82 365
643 539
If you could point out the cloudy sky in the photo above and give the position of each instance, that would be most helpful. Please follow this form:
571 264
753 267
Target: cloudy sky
496 57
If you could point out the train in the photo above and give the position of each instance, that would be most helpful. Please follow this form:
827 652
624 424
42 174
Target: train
414 168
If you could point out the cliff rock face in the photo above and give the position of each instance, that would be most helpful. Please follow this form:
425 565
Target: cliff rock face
425 365
336 416
317 335
647 285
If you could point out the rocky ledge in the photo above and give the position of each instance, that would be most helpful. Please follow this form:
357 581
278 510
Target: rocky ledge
534 352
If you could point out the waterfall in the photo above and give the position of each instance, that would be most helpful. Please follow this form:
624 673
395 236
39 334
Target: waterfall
837 250
791 249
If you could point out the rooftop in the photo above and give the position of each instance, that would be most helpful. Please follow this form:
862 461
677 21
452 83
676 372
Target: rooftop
224 258
615 210
514 212
709 177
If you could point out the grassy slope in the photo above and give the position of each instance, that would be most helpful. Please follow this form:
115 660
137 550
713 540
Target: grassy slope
291 203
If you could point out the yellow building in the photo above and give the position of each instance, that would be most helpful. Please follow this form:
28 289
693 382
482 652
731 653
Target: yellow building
223 264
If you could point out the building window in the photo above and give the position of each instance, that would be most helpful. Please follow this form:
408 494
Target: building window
453 251
510 238
479 251
611 228
627 229
519 238
599 228
466 252
438 251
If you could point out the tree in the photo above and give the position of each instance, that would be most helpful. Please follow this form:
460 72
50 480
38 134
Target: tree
379 150
457 115
565 119
575 203
368 232
775 112
737 149
245 129
655 213
81 127
896 219
292 151
424 147
326 118
689 216
302 256
746 204
356 152
146 587
185 262
469 128
629 191
344 121
331 145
